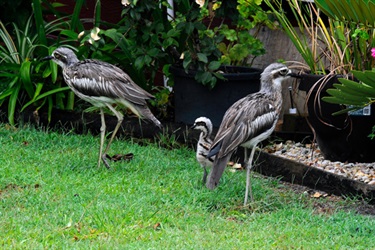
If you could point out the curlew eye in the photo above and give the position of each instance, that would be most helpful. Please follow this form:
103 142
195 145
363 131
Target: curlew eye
60 57
284 72
57 56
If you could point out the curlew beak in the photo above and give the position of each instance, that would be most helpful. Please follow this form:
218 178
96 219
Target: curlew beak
294 75
46 58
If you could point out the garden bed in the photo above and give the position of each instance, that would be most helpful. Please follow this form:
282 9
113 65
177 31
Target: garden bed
313 177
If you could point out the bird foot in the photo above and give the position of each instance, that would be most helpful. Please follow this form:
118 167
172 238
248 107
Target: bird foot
119 157
104 158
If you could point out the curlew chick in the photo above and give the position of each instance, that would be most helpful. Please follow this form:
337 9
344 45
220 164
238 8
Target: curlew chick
204 143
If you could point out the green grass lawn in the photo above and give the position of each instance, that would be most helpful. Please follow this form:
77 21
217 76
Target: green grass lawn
53 196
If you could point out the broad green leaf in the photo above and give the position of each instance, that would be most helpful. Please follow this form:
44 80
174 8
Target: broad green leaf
344 89
202 57
26 78
50 107
345 98
69 33
6 93
53 66
38 88
48 93
204 77
12 104
70 102
47 72
153 52
39 21
169 42
214 65
222 47
97 12
358 87
141 61
187 60
335 100
238 52
76 22
189 27
368 77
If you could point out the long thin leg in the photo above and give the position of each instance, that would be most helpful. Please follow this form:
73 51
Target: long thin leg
120 118
204 174
249 165
102 136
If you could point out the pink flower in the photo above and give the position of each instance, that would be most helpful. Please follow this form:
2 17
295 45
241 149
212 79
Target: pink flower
373 52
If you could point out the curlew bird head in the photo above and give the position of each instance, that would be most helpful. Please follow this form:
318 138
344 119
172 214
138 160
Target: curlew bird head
274 75
63 56
204 124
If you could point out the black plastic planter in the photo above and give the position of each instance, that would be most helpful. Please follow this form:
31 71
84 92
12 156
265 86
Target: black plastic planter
342 137
193 100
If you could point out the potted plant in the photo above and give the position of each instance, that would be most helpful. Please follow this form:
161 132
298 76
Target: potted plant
26 80
213 55
332 47
183 39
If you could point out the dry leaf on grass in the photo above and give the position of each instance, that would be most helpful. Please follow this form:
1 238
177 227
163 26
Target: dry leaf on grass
157 226
319 194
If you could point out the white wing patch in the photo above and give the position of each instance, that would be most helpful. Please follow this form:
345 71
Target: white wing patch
84 83
257 124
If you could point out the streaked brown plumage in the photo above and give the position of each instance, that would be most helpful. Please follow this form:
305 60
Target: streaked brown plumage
247 122
105 86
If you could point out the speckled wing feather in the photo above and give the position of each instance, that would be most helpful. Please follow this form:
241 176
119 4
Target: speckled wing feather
247 118
97 78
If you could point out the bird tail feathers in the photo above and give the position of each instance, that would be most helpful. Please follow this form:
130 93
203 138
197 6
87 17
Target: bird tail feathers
217 171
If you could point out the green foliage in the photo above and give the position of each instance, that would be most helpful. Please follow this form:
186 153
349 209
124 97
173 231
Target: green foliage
337 44
357 23
360 11
353 93
137 43
240 45
25 79
195 38
161 102
217 34
20 74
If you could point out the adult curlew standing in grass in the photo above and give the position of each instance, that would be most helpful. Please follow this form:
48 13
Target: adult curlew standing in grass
204 143
104 86
247 122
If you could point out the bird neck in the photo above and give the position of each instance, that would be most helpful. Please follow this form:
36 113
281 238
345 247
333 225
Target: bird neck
273 91
73 60
271 86
203 135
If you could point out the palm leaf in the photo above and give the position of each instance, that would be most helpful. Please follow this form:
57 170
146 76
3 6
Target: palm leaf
358 11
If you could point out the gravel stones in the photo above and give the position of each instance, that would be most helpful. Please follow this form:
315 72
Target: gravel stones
310 155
